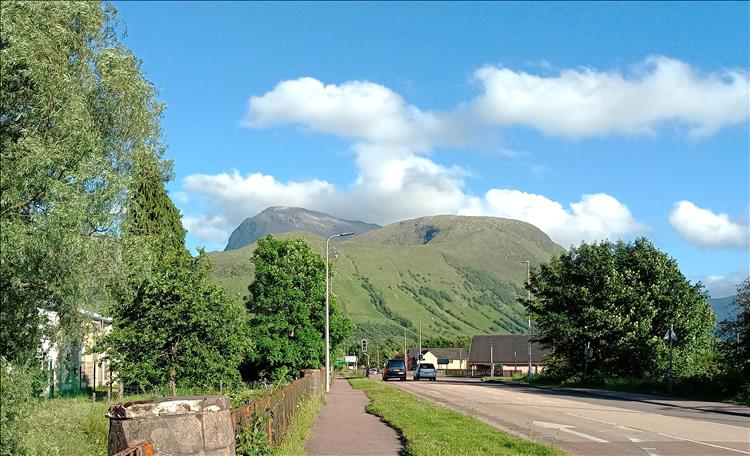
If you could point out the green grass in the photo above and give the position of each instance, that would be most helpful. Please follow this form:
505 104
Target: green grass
76 425
432 430
65 426
299 429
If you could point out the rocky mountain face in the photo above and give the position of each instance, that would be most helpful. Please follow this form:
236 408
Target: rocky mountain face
282 219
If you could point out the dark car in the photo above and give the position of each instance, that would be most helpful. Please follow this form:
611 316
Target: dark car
427 371
395 368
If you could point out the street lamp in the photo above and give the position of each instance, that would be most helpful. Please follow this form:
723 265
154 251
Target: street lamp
328 333
670 337
492 361
528 297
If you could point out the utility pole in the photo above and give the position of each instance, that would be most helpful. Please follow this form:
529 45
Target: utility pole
406 358
528 297
419 355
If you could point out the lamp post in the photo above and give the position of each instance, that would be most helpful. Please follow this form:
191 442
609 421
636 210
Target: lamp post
528 297
492 361
328 332
670 337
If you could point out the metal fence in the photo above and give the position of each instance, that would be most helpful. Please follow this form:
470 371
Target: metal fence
141 449
277 411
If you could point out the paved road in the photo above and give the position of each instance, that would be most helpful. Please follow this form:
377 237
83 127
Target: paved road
587 425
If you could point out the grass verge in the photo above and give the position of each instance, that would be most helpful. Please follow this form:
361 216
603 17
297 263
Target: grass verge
76 425
432 430
299 429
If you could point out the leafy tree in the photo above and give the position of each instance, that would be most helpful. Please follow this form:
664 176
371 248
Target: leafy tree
447 341
171 323
74 110
621 298
287 305
179 329
735 334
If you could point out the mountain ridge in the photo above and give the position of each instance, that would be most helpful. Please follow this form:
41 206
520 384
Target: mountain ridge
461 275
283 219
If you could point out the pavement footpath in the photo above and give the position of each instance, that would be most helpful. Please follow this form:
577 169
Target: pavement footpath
344 428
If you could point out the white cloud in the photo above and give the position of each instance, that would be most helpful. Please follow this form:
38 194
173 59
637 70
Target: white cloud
719 286
355 109
233 197
180 197
396 184
594 217
705 228
586 102
391 137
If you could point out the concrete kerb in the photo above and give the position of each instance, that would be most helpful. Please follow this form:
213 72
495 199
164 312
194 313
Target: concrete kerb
625 396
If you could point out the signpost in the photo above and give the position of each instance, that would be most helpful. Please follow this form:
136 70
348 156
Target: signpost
670 337
588 353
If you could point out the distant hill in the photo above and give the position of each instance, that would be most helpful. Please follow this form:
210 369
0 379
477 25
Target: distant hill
461 275
723 307
281 219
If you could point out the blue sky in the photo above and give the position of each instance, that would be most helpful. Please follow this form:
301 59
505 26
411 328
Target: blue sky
606 120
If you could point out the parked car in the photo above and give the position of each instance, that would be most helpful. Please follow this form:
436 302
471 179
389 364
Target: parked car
427 371
394 368
373 371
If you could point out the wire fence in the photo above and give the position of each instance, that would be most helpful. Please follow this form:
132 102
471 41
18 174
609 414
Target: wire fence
276 411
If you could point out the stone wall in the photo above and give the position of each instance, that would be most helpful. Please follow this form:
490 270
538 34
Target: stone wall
196 426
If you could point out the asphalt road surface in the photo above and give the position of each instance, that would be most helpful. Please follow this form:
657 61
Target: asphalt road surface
581 424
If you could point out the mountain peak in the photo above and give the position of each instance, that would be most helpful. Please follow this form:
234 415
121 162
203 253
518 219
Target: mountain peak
283 219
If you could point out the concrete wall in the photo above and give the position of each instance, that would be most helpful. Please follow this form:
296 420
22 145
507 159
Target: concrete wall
196 426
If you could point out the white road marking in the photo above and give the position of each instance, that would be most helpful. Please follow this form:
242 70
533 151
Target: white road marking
625 428
436 392
704 443
650 451
592 419
634 440
566 428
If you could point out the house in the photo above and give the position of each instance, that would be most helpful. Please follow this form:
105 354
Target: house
509 354
73 367
442 358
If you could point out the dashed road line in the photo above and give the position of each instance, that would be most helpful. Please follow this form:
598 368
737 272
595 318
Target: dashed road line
704 443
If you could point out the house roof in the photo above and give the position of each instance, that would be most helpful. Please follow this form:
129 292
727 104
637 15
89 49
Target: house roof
441 352
503 349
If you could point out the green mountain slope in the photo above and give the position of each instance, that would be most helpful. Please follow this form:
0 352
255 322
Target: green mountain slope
461 275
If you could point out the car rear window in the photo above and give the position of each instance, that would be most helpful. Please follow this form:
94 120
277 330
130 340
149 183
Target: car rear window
396 363
428 366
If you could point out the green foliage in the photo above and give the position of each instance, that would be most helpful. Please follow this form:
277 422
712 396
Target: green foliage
735 340
433 430
377 300
287 306
300 427
621 298
19 386
74 110
252 440
180 328
447 342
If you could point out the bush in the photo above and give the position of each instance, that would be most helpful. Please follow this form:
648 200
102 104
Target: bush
19 385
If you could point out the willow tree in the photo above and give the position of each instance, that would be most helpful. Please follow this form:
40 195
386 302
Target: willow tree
75 110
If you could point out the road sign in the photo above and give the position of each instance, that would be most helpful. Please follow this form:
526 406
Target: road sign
350 359
443 361
588 352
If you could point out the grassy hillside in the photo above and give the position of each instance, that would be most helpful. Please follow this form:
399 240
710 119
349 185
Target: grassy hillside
461 275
